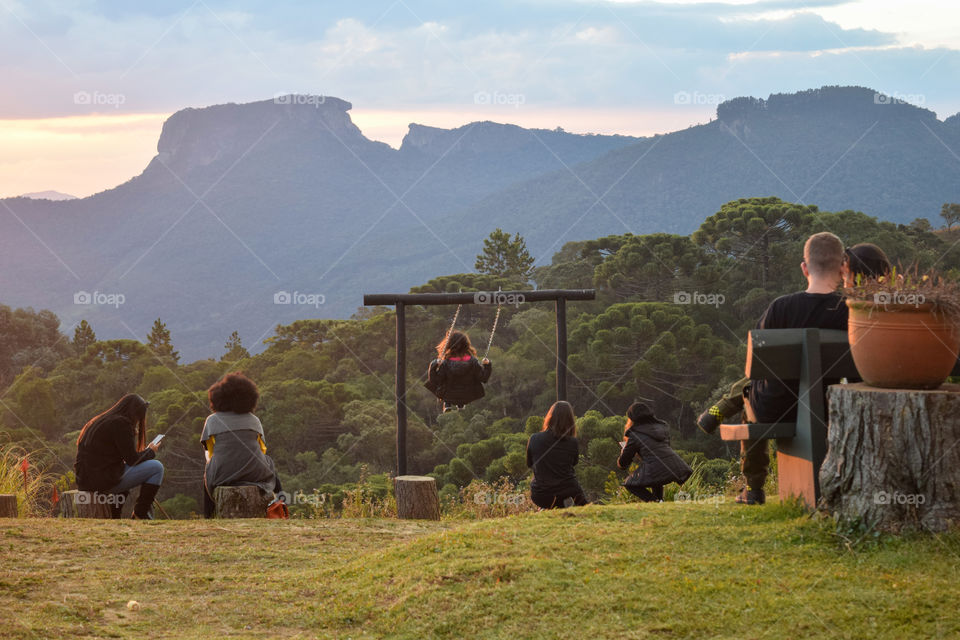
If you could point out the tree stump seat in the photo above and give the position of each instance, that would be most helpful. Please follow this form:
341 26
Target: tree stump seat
86 504
239 502
417 497
8 505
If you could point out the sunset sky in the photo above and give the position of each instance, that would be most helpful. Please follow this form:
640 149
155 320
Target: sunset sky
85 88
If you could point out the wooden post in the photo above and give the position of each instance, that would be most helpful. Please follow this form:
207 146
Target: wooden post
86 504
401 390
239 502
892 461
8 505
417 497
561 349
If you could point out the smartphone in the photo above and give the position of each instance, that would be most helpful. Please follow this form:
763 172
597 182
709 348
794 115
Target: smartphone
156 441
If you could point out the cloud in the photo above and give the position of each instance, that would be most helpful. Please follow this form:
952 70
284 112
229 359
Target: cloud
159 58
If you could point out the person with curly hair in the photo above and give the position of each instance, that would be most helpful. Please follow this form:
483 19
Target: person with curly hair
233 441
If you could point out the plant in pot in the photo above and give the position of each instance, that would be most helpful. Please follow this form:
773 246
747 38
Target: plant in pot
904 329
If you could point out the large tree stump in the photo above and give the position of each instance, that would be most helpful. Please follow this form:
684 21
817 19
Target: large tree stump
417 497
8 505
892 459
85 504
239 502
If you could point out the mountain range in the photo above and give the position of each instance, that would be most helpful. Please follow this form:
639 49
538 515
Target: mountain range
256 214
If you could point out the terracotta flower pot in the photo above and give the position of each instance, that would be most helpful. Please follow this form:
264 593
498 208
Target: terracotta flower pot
902 346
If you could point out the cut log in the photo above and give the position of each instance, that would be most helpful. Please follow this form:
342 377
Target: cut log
892 461
8 505
86 504
239 502
417 497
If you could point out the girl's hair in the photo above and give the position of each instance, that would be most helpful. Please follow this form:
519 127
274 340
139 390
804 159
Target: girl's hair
867 260
455 345
561 421
234 392
133 408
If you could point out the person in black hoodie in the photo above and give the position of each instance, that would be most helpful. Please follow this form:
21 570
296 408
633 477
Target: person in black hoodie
552 454
113 457
646 436
456 376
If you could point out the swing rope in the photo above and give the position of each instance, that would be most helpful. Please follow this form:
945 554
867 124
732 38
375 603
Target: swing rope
496 319
446 338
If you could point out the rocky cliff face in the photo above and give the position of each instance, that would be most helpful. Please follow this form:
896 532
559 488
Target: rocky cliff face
193 138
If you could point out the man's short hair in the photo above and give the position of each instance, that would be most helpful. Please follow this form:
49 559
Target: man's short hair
823 253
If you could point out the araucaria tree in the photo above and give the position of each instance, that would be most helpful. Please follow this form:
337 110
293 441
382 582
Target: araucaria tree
505 257
159 342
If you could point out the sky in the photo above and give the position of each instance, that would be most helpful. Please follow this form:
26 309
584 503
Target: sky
85 86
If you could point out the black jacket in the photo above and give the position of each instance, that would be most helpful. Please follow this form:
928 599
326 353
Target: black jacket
660 464
457 381
104 450
553 463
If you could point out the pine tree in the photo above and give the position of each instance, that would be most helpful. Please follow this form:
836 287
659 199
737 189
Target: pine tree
83 337
505 257
159 341
235 349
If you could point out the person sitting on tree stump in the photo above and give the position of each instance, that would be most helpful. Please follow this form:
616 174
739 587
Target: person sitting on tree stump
233 442
113 457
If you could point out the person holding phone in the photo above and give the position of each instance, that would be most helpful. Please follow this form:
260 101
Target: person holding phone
113 457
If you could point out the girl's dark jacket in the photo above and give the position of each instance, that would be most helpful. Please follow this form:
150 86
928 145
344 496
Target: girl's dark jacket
660 464
457 381
104 450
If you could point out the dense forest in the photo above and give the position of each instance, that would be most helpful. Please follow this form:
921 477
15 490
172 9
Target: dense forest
668 326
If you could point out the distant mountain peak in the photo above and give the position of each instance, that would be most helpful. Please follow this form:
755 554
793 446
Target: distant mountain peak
48 195
849 101
196 137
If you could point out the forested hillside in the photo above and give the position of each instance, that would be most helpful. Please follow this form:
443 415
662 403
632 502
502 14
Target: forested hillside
668 325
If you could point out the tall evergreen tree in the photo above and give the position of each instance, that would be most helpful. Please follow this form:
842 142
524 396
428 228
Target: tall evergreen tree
159 341
235 349
83 337
505 256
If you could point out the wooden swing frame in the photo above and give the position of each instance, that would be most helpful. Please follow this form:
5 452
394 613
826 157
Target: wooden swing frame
402 300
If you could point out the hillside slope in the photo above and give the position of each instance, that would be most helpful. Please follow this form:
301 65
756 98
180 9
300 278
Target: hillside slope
708 570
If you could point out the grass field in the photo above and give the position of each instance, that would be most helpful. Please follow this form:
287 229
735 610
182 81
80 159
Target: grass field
667 570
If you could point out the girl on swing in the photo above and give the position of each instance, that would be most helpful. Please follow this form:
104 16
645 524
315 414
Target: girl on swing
456 376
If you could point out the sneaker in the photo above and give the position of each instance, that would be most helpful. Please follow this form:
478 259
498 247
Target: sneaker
751 496
709 420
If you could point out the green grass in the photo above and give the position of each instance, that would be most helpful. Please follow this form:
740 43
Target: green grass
627 571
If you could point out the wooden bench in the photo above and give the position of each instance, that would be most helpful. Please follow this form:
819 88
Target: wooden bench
796 355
